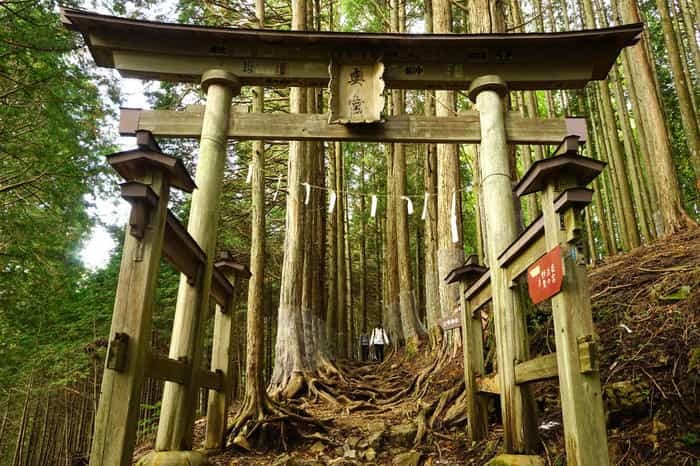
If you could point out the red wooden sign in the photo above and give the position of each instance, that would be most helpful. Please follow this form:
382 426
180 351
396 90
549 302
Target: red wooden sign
545 277
451 322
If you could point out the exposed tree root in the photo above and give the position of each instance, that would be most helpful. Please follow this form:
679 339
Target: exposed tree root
445 398
257 414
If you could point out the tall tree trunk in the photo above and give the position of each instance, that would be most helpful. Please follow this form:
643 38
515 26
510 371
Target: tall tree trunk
685 60
288 377
685 102
450 252
665 177
630 232
332 271
254 385
632 156
363 247
21 431
603 222
689 26
432 279
350 308
412 330
648 190
342 308
318 301
392 316
312 256
380 265
610 191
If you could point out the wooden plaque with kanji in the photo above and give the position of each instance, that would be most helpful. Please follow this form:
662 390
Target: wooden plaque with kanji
356 91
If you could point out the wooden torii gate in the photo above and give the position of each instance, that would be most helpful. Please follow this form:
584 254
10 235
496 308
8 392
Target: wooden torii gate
356 67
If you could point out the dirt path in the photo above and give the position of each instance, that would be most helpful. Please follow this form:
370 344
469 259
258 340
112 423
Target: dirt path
374 420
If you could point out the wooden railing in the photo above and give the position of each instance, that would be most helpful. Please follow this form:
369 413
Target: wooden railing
561 180
154 231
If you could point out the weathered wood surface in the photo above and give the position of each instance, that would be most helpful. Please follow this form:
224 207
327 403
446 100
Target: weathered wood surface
579 380
525 250
489 383
161 367
473 353
176 52
540 368
510 330
183 252
117 414
222 360
175 429
463 128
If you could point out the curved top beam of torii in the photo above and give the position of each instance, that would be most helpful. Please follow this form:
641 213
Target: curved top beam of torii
178 52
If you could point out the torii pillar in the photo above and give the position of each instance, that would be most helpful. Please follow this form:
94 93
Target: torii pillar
175 429
517 403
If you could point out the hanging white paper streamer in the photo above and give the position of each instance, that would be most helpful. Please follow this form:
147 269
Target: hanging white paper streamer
277 189
409 204
453 219
308 193
373 208
425 206
331 202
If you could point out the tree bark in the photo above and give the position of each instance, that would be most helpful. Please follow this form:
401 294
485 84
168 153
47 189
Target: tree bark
350 308
450 253
688 23
392 316
685 102
332 271
254 391
342 349
412 330
431 277
363 248
632 156
665 178
290 366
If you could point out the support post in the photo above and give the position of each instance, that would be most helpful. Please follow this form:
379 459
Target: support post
473 351
517 403
130 333
175 428
579 386
221 360
222 355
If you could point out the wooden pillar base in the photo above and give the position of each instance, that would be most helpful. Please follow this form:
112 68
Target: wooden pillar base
516 460
174 458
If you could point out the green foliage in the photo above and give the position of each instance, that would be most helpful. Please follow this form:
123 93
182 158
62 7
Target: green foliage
691 439
51 135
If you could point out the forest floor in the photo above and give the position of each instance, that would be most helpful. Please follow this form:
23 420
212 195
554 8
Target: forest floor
646 308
